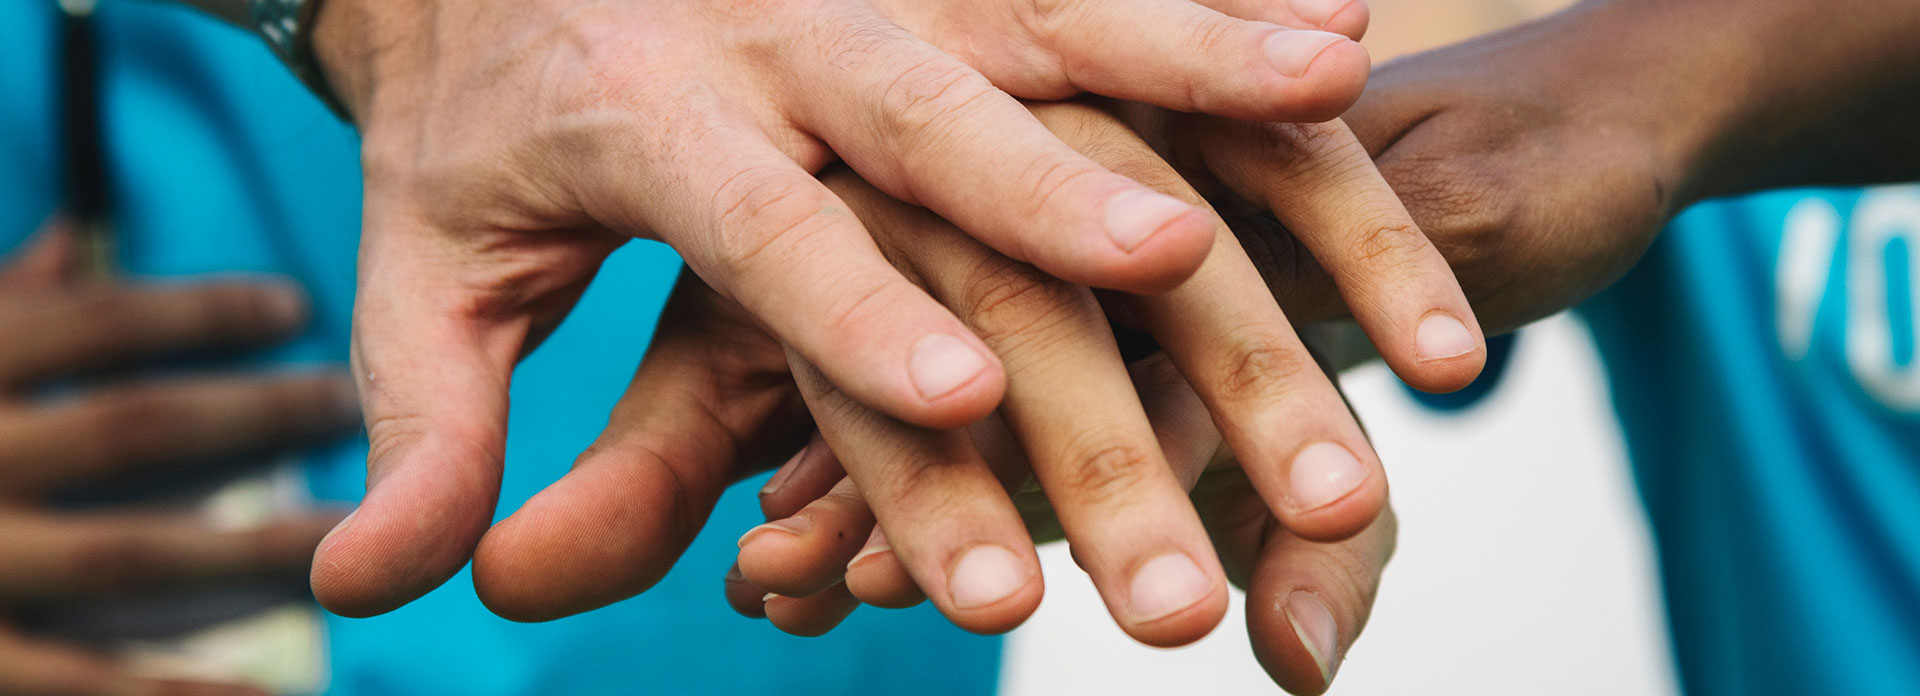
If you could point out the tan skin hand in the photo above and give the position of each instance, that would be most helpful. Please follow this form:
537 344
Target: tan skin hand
53 327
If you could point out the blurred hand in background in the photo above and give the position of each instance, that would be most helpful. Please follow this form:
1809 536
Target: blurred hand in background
62 441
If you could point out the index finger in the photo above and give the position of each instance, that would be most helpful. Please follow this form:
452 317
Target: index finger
97 327
1318 180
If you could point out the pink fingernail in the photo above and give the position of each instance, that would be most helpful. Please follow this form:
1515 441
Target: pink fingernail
1292 52
867 552
1440 336
785 472
1135 215
941 364
985 575
1164 586
1322 473
1318 12
1318 633
792 525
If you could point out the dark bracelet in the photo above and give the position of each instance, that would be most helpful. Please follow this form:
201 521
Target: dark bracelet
287 26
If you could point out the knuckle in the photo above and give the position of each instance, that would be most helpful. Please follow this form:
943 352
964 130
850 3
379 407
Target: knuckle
1047 20
758 207
1052 179
1207 34
926 100
1386 238
1265 367
1106 469
848 311
1303 144
1005 298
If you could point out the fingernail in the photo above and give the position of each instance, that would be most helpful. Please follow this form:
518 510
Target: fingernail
1291 52
941 363
781 475
1314 626
285 306
1134 215
734 574
792 525
868 551
985 575
1318 11
1164 586
1442 336
768 597
1322 473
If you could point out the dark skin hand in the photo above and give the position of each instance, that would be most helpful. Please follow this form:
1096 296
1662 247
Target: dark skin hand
52 327
1543 160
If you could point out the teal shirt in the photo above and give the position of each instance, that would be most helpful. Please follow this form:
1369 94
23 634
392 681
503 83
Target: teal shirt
222 163
1762 362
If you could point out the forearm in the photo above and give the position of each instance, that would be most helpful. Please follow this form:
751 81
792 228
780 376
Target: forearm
1802 93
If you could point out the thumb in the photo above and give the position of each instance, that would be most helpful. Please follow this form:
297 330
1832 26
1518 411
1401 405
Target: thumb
433 363
1309 601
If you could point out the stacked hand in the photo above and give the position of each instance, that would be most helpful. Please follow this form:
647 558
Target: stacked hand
505 159
509 147
135 434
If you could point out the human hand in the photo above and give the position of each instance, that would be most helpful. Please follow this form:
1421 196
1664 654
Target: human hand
1307 601
1542 161
509 147
54 447
714 387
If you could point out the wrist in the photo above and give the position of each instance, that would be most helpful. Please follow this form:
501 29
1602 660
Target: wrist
1797 93
357 44
1672 77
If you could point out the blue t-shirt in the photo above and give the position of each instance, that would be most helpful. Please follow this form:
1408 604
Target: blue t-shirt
222 163
1762 362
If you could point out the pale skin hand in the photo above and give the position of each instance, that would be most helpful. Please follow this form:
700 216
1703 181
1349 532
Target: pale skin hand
53 327
510 146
